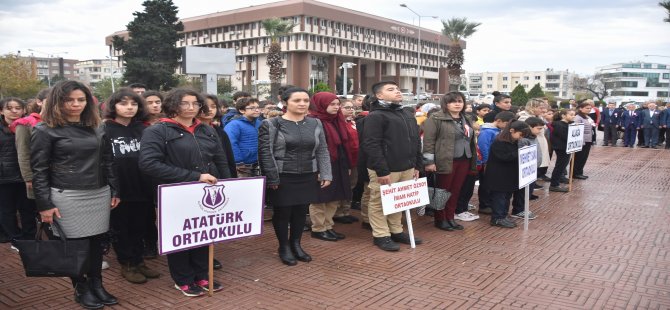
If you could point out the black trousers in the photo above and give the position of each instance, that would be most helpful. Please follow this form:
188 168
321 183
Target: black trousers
581 157
151 230
562 162
129 223
499 204
284 217
483 192
189 266
611 134
467 190
13 198
94 258
640 137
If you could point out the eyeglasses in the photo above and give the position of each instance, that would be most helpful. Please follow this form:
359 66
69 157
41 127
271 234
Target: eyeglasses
348 108
253 108
186 104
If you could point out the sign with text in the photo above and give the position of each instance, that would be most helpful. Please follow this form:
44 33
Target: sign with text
575 138
527 165
196 214
404 195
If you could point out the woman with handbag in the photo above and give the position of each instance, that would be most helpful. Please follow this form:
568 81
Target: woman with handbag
293 155
449 151
179 148
73 179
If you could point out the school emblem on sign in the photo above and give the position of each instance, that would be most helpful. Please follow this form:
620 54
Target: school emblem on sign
213 197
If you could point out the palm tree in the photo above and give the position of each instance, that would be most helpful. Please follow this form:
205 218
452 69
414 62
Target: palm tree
276 28
455 29
666 5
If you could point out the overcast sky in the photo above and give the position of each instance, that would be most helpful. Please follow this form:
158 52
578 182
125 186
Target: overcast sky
521 35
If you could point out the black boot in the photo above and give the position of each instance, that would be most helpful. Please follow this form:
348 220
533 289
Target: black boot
95 285
286 256
85 297
297 249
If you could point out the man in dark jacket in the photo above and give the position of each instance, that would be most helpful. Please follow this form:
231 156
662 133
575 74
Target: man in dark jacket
609 119
393 149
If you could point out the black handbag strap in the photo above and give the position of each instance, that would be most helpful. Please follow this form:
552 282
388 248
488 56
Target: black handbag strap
43 228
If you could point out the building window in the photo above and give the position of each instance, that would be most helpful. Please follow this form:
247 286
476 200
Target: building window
662 67
537 77
666 76
647 66
662 94
525 78
631 93
525 85
489 85
516 82
489 78
504 78
504 86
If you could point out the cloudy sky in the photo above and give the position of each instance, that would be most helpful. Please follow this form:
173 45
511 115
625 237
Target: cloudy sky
521 35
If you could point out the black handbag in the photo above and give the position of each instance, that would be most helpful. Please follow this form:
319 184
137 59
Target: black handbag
53 258
438 196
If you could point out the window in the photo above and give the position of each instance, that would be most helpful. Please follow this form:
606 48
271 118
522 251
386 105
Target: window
504 86
489 78
666 76
630 93
525 78
647 66
537 77
504 78
66 65
662 67
662 94
489 85
525 85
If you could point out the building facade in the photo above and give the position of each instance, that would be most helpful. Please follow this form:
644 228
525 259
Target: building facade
325 36
636 81
556 83
47 68
93 71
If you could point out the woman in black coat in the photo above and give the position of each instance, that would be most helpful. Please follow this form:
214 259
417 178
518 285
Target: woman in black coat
169 154
502 171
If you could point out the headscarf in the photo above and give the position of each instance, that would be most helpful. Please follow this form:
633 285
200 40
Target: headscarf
334 125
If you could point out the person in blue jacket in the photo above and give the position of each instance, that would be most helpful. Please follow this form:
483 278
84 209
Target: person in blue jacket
488 133
650 122
609 119
243 134
628 122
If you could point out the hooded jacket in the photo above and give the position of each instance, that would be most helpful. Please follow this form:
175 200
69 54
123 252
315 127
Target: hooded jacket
487 133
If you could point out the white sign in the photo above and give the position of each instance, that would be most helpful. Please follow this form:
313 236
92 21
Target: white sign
404 195
527 165
195 214
575 138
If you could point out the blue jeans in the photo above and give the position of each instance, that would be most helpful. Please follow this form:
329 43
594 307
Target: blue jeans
499 204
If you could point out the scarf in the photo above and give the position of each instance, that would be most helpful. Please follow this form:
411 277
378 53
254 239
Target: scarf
334 125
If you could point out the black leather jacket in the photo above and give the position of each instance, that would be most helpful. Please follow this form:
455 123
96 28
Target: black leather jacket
69 157
9 161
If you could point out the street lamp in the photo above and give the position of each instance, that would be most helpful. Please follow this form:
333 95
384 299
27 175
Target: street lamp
344 67
111 71
418 47
49 56
664 56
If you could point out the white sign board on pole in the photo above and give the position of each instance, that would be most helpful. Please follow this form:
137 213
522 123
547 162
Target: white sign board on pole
196 214
575 138
527 165
404 195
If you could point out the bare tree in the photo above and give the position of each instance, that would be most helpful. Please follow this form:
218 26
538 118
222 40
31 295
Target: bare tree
596 85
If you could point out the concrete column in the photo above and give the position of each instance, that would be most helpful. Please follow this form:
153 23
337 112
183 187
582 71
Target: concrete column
378 71
332 72
357 76
443 86
397 73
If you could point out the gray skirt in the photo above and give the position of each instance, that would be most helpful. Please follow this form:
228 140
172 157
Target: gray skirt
83 213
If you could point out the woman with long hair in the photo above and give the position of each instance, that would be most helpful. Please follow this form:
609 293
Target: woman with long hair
582 117
449 151
74 183
293 155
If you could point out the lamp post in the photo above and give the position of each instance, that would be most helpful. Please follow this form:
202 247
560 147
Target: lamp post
111 71
418 48
49 56
344 67
664 56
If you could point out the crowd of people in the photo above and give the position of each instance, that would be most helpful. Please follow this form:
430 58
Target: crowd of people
91 169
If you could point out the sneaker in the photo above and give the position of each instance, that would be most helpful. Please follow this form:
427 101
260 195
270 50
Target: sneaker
485 210
471 207
386 244
558 189
404 238
522 214
505 223
105 265
204 284
466 216
190 290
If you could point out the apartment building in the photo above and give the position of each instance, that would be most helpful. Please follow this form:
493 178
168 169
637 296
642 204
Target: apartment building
325 36
46 68
636 81
93 71
556 83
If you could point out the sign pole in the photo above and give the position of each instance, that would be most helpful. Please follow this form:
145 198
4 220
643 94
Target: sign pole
526 207
410 229
572 166
211 270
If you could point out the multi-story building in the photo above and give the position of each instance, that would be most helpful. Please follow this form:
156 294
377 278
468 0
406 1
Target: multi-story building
324 37
556 83
93 71
636 81
46 68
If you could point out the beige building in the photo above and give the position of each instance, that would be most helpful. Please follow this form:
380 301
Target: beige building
46 68
93 71
557 83
325 36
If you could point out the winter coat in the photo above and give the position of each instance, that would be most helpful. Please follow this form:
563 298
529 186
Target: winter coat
588 128
559 136
9 162
243 135
125 142
502 168
487 133
439 139
542 144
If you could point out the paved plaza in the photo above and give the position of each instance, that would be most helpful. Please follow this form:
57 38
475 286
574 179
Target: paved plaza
606 245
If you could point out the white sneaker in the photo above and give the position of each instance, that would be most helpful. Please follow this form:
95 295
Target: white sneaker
105 265
471 207
466 216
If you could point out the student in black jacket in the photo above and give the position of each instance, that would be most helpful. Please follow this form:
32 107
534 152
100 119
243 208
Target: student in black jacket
125 114
559 141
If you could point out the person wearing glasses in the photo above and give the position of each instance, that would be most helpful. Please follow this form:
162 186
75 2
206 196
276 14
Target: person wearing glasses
243 134
343 213
169 154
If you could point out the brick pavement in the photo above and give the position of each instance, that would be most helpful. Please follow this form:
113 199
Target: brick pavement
606 245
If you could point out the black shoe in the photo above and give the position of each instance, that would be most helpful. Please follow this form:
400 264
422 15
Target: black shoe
95 285
286 256
323 235
455 225
444 225
366 225
558 189
217 264
533 197
352 218
580 177
545 178
486 210
644 147
537 186
564 180
404 238
356 205
85 297
299 253
335 234
505 223
386 244
342 220
306 228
